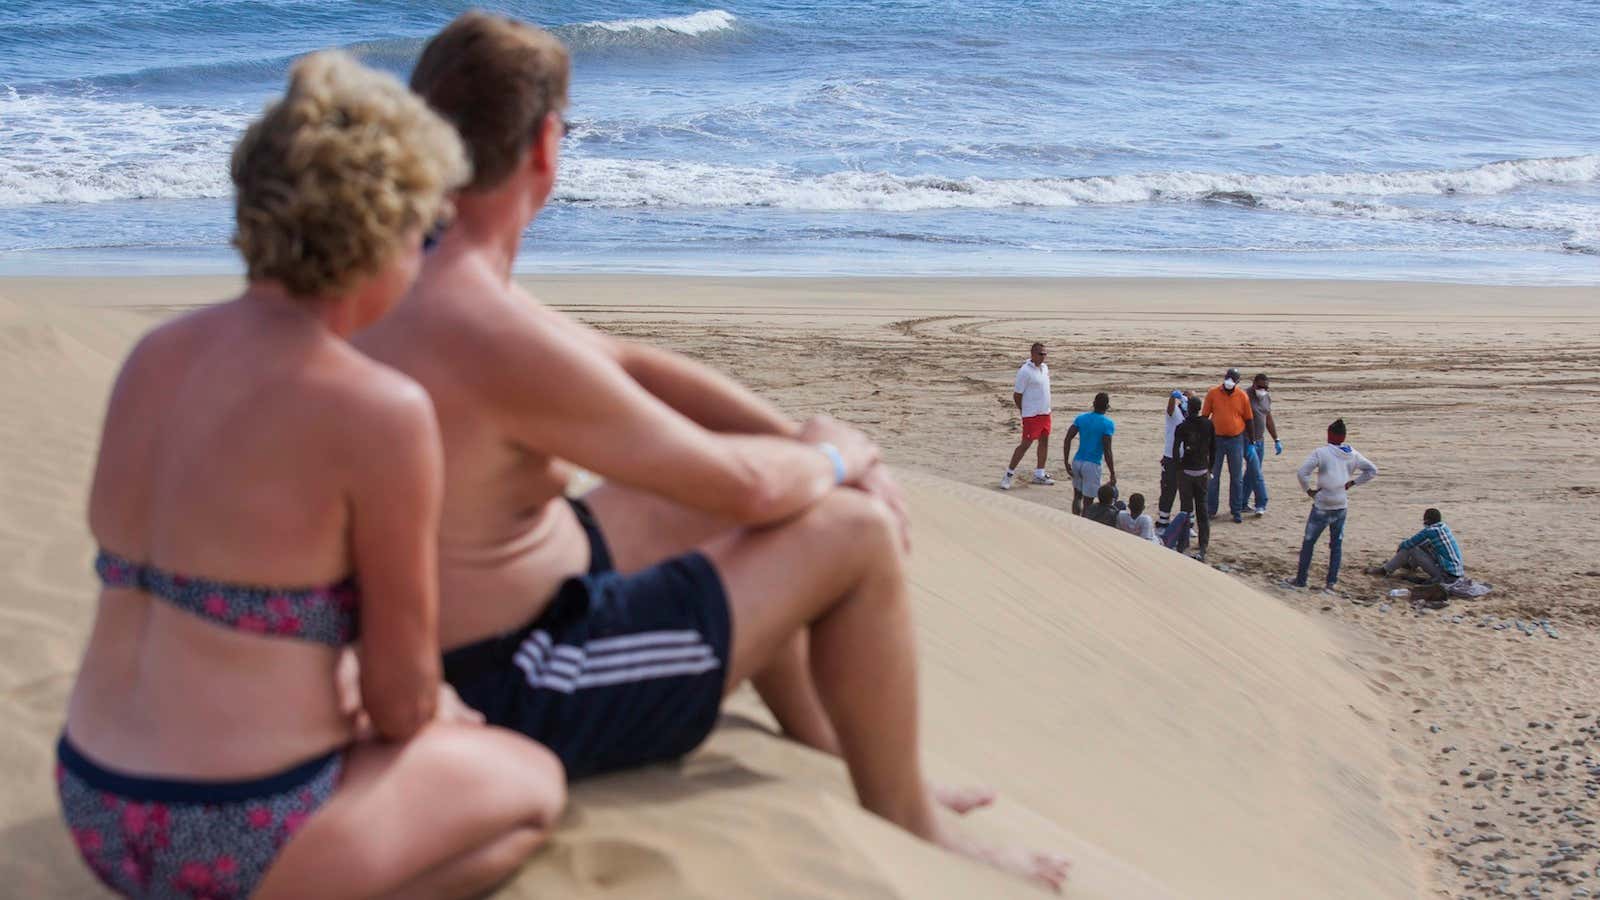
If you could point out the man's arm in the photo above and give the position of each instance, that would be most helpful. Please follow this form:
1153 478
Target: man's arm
1272 426
706 396
1205 406
1111 464
1414 540
1016 398
1365 470
720 404
1304 473
556 396
1066 445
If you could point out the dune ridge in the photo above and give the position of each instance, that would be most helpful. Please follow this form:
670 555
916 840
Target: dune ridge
1176 732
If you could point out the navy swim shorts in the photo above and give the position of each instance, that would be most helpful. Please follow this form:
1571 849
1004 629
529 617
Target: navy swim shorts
619 671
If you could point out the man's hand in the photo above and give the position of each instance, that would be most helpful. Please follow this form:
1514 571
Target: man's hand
859 453
1349 484
879 483
1277 447
1312 493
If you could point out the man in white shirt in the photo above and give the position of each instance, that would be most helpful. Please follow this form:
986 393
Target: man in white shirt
1032 397
1177 408
1327 476
1134 520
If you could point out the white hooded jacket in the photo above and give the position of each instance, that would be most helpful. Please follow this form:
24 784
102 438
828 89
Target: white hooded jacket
1334 465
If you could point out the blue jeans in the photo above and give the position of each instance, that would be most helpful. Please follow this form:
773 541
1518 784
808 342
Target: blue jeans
1255 477
1230 450
1331 520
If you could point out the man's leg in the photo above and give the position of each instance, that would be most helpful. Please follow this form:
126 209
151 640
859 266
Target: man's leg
1255 483
1021 449
1235 450
1169 489
1315 523
1201 485
643 529
1422 558
1043 451
836 572
1335 544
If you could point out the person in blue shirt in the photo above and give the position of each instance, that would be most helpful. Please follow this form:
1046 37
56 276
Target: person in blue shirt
1433 550
1096 429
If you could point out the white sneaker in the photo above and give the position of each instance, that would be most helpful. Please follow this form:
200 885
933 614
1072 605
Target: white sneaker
1005 482
1043 479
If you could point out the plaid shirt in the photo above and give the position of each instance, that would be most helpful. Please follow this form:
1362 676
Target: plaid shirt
1441 542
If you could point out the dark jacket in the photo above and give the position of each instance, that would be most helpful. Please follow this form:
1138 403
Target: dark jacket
1104 514
1194 444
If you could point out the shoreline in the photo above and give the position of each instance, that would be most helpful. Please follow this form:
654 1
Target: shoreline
1286 294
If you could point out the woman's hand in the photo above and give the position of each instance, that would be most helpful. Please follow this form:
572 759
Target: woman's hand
452 709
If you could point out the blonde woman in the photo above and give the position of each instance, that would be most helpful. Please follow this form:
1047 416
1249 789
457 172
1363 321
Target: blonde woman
265 500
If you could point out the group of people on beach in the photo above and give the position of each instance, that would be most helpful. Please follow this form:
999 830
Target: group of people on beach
1228 428
354 637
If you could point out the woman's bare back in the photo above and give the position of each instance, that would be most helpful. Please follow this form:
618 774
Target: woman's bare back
225 455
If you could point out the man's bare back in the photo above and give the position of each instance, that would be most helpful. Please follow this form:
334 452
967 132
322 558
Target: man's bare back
507 540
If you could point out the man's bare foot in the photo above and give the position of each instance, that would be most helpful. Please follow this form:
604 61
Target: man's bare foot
1047 870
961 799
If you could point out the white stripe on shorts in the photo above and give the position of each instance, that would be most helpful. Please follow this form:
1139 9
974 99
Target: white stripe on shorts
609 661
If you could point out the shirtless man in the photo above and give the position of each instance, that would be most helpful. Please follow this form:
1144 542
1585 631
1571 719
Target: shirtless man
730 544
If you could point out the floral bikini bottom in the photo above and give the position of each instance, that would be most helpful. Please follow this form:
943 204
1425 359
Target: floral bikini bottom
152 837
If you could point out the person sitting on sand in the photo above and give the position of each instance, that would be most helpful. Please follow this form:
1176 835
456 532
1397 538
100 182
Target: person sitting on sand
1104 509
264 499
1134 520
1433 550
729 543
1032 399
1195 447
1336 467
1097 429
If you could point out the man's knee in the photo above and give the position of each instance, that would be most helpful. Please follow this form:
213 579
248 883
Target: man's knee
861 517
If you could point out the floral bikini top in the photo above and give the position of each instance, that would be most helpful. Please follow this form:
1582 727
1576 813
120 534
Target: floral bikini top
327 615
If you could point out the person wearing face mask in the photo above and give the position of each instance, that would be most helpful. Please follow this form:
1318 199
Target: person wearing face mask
1261 425
1228 408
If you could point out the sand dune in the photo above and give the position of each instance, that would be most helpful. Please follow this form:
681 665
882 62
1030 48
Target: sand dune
1178 733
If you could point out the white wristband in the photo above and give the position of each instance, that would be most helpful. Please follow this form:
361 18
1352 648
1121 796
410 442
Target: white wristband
835 457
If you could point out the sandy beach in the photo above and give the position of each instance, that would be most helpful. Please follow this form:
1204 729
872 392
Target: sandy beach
1182 730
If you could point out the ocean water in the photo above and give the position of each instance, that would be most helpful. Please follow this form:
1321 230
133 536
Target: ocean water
1431 139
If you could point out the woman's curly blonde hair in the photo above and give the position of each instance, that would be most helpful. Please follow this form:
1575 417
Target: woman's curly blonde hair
332 176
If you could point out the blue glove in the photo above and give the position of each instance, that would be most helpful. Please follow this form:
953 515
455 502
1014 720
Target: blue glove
1277 447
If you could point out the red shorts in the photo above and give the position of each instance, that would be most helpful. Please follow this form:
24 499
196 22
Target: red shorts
1035 427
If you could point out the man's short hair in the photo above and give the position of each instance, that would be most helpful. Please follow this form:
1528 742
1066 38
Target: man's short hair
1102 402
1035 346
495 79
1107 493
1136 503
1337 428
1261 376
1432 517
